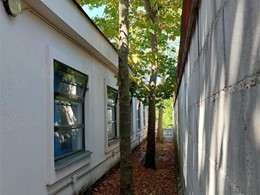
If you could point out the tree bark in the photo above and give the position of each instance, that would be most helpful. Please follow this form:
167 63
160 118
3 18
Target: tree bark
160 119
124 99
160 126
150 148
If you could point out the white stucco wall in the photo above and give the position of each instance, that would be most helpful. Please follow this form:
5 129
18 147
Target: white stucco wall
28 45
218 104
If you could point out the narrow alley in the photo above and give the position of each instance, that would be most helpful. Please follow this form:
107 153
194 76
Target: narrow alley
146 181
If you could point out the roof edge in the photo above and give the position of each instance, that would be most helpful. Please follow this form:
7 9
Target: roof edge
84 13
189 17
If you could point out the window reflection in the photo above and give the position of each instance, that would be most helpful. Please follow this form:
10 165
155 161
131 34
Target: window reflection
111 113
66 113
69 95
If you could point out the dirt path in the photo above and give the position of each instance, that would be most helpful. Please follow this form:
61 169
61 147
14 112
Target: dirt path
162 181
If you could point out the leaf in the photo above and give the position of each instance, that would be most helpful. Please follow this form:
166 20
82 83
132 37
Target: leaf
164 179
135 58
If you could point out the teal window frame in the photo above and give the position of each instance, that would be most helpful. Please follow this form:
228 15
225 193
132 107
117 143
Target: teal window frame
138 118
144 115
70 88
112 97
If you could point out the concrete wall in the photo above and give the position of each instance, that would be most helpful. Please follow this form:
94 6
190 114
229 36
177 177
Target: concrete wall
29 43
218 104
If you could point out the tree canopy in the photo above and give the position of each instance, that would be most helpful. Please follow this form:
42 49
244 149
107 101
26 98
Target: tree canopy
153 28
167 29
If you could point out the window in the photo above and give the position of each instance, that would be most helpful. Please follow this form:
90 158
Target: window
111 113
131 115
69 96
138 107
144 119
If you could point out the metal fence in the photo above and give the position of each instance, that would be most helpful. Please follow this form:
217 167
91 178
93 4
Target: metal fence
167 132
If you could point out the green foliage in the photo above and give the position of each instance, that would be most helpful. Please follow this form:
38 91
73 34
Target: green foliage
167 114
167 117
141 58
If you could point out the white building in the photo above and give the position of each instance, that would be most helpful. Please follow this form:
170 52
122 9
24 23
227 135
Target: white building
58 100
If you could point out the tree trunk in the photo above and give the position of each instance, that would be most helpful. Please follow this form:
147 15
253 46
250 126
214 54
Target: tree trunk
160 119
160 126
150 148
124 99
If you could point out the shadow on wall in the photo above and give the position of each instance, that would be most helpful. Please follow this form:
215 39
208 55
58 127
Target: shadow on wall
242 59
221 131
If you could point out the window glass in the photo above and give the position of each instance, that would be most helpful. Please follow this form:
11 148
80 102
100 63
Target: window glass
67 113
131 115
67 142
68 84
69 95
138 115
144 116
111 113
111 96
111 123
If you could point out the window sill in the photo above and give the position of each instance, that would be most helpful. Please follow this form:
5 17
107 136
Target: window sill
112 144
62 163
113 141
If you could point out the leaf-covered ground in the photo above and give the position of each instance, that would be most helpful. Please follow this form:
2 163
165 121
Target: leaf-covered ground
162 181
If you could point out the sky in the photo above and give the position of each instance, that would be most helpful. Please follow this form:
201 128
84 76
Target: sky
94 12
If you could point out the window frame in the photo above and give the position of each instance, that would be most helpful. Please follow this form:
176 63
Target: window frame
113 105
64 159
132 115
138 115
144 117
